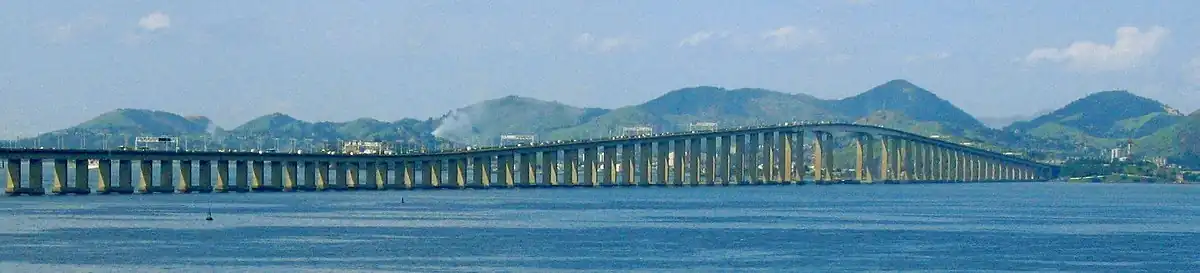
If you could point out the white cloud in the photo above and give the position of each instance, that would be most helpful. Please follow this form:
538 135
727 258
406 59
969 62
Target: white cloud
155 21
791 37
936 56
590 43
1131 47
700 37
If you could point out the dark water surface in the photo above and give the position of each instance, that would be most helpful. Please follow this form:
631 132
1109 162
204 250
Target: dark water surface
933 227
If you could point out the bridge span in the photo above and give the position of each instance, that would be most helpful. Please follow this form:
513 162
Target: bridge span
791 153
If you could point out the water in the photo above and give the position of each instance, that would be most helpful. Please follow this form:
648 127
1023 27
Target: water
933 227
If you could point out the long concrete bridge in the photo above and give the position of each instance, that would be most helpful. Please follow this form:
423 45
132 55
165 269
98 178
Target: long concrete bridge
790 153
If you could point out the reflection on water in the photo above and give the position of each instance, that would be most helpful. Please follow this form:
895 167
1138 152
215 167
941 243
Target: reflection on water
1007 226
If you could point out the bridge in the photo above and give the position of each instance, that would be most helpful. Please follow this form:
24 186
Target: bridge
759 155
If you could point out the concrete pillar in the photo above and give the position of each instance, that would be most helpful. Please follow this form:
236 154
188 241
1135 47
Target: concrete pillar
911 160
662 158
433 173
81 181
276 176
801 157
185 177
166 177
204 180
786 154
342 180
629 156
291 181
571 168
104 181
753 175
770 159
124 177
529 167
257 176
645 159
710 161
381 175
241 170
146 173
223 176
459 177
483 171
13 171
679 162
862 168
738 160
504 168
611 165
550 168
694 162
821 157
370 179
591 168
351 172
322 175
61 181
409 172
721 153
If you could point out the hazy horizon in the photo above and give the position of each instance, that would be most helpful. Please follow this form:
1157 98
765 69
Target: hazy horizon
232 61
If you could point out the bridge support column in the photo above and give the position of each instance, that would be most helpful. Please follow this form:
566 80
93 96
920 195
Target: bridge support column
754 159
591 168
433 173
528 169
204 179
737 160
610 163
723 152
571 167
241 182
631 163
694 164
550 168
344 177
663 176
104 180
277 180
166 177
409 172
351 172
645 160
13 176
862 164
291 181
185 177
801 166
322 175
504 170
679 162
711 169
370 179
223 179
482 172
60 182
786 155
381 176
769 157
822 157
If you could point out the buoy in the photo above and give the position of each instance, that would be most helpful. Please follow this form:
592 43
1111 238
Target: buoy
401 200
208 219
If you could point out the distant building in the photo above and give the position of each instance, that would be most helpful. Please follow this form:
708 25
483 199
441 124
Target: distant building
359 147
506 140
636 130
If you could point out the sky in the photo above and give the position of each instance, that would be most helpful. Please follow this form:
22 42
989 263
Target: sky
63 62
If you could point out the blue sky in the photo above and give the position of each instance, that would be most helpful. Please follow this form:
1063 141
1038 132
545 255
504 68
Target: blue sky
62 62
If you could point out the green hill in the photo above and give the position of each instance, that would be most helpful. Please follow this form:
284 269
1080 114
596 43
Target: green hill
1108 114
676 110
277 125
484 122
146 122
913 102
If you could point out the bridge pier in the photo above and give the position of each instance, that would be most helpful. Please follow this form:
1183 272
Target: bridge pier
505 169
290 177
310 177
